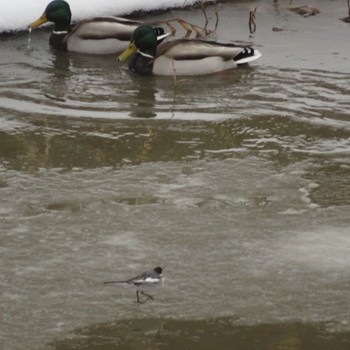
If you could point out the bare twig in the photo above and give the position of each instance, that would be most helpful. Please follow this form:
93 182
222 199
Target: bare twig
176 82
206 30
189 27
252 18
217 16
204 12
172 28
174 69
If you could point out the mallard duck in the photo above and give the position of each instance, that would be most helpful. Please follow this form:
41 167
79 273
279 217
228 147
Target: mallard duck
182 56
100 35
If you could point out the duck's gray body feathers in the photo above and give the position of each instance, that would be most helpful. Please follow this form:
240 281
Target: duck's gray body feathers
101 35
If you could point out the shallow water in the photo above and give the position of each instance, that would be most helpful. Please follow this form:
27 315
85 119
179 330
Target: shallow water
238 183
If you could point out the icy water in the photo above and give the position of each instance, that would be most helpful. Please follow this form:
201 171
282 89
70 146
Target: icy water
238 184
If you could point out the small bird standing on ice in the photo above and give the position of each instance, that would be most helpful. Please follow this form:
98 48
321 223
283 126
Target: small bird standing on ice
144 282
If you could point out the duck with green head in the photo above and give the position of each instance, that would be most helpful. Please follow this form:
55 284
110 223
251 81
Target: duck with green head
100 35
182 56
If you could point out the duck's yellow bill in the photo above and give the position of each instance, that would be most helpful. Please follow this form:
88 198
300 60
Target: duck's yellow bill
128 52
39 22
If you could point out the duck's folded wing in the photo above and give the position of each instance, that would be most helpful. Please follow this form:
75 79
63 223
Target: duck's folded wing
105 28
197 49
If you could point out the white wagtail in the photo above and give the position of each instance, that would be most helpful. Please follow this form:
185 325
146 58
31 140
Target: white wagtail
145 281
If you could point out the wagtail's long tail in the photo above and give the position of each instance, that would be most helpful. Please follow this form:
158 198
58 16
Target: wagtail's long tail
110 282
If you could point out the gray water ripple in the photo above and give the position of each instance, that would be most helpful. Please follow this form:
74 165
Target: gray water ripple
313 96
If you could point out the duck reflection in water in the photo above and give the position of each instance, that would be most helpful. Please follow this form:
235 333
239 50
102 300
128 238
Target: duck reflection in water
144 98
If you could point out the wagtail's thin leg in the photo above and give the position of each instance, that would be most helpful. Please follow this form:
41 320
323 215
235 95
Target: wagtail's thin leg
147 295
137 296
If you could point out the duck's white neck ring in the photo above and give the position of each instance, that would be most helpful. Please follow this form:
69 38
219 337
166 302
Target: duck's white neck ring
145 54
60 32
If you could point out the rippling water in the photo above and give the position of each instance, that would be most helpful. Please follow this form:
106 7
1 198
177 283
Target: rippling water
238 183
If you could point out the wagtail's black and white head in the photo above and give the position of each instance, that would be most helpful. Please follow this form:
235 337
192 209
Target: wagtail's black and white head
144 282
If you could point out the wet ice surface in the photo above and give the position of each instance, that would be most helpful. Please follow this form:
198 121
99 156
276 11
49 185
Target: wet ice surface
252 245
238 184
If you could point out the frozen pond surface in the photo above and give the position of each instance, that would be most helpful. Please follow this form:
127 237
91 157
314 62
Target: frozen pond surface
237 183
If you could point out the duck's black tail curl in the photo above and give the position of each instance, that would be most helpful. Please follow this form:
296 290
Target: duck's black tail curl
247 52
